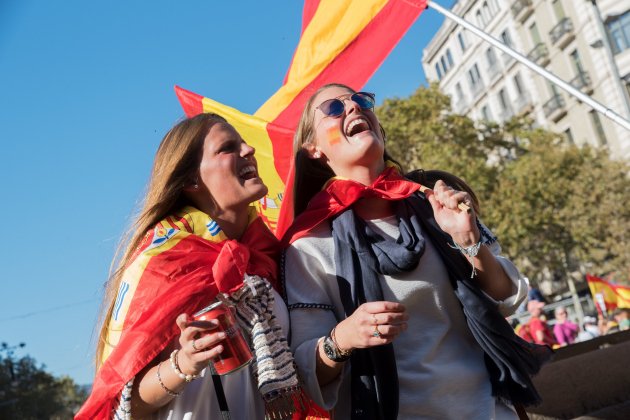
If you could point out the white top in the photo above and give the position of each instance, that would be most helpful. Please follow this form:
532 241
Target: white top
441 370
199 400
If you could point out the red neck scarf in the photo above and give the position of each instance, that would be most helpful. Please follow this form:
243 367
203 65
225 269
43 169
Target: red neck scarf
339 194
179 272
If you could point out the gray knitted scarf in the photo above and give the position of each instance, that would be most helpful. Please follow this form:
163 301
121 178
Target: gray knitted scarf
273 365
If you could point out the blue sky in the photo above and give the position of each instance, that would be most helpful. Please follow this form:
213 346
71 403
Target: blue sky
87 94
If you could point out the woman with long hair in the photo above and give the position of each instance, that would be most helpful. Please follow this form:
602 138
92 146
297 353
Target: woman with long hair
196 240
397 297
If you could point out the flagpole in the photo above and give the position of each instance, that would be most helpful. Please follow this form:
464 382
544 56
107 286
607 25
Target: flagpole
607 112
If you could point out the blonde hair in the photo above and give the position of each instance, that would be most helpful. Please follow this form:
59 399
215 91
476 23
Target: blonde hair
175 166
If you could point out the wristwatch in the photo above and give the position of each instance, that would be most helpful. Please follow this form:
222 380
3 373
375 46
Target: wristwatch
333 352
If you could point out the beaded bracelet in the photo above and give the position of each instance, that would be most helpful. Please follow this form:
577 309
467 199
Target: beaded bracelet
344 353
168 391
177 370
470 252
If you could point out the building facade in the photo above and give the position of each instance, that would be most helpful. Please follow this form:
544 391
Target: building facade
583 42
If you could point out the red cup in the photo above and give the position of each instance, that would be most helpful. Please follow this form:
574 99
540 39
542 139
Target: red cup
236 353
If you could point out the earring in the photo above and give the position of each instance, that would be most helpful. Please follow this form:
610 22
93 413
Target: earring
317 154
195 186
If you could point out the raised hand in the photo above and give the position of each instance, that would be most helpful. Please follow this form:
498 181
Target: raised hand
461 225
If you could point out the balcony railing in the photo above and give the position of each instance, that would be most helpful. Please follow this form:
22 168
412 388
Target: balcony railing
582 82
522 9
539 54
562 33
554 108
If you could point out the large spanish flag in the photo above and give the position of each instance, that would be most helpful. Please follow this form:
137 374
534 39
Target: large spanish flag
179 267
342 42
613 295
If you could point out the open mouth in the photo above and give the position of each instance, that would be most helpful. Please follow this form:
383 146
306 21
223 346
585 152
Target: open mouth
357 126
248 172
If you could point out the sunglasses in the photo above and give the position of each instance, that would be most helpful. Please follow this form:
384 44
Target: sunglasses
335 107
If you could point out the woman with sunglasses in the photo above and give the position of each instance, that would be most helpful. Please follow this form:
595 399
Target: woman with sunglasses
397 298
197 238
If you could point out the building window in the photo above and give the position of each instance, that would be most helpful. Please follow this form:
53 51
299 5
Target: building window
518 84
485 11
449 58
506 38
494 6
444 64
553 89
504 100
485 113
480 21
569 136
535 34
438 71
599 128
474 77
491 57
619 33
557 9
459 92
462 41
576 61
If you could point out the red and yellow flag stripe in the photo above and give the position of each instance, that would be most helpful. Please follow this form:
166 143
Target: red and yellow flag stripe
614 295
343 42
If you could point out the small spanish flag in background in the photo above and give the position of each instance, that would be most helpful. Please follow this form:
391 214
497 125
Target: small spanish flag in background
342 42
613 295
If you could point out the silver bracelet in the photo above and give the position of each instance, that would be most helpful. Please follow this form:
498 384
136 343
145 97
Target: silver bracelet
470 252
164 387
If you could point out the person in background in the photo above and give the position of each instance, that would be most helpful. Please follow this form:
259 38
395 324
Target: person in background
590 329
622 318
538 329
535 294
564 330
196 239
397 298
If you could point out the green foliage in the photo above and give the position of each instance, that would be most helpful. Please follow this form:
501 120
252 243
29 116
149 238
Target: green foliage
423 133
27 391
554 207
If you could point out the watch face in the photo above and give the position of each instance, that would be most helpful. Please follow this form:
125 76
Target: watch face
329 349
332 351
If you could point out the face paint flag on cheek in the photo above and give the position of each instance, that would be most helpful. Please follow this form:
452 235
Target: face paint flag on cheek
334 135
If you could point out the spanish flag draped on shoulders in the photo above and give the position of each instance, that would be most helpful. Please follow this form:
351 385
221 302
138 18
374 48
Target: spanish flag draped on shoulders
179 267
338 194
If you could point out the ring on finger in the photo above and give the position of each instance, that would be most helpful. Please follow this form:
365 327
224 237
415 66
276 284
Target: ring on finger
374 319
193 345
376 332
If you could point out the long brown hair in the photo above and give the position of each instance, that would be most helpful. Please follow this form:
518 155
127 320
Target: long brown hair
311 174
175 166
